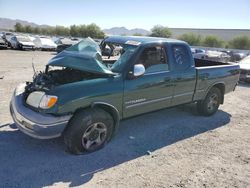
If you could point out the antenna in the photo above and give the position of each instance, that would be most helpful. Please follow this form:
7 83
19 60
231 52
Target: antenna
33 67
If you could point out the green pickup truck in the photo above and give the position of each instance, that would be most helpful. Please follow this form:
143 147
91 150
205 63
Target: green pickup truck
82 96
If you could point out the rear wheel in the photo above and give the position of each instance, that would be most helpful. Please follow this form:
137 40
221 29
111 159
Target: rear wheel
88 131
211 103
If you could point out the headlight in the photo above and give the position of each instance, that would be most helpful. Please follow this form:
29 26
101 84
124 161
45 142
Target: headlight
40 99
48 101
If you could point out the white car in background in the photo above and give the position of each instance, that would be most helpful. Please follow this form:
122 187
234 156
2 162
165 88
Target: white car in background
245 69
7 36
45 43
21 42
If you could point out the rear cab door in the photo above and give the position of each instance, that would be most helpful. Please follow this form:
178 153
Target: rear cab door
183 73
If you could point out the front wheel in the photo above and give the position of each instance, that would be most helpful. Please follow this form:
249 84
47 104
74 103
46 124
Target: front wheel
88 131
211 103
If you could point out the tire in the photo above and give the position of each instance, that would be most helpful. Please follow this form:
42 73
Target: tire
211 103
89 130
9 44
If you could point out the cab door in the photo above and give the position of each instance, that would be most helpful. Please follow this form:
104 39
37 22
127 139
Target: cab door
184 74
154 89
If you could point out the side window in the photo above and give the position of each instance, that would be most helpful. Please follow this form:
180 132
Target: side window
154 59
181 57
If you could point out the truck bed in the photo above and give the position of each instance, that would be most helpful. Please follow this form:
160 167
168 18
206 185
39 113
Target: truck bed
206 63
210 73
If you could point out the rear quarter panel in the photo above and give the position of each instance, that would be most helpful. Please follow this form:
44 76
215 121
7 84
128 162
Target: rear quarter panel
207 77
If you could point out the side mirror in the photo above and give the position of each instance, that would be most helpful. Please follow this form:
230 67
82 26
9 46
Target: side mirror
139 70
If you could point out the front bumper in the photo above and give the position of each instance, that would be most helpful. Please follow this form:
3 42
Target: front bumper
34 124
3 45
28 47
48 48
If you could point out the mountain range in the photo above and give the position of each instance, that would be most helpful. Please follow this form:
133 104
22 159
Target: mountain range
125 31
225 34
8 24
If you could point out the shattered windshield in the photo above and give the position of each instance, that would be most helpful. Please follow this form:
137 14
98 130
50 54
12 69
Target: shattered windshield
121 62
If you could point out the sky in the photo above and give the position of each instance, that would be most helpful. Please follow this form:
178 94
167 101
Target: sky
215 14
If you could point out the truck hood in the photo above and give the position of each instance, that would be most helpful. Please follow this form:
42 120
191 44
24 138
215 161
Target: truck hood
245 63
47 43
85 56
244 66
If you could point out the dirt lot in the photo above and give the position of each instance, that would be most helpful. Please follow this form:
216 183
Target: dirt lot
169 148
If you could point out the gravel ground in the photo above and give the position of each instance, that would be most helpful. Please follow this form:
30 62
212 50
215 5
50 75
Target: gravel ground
169 148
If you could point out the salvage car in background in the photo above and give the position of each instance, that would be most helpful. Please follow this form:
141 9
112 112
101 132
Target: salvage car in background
212 56
22 42
63 43
245 69
7 36
197 50
44 43
237 56
3 44
234 55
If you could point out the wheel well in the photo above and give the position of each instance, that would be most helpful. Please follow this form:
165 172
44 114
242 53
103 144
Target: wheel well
221 87
112 111
108 108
